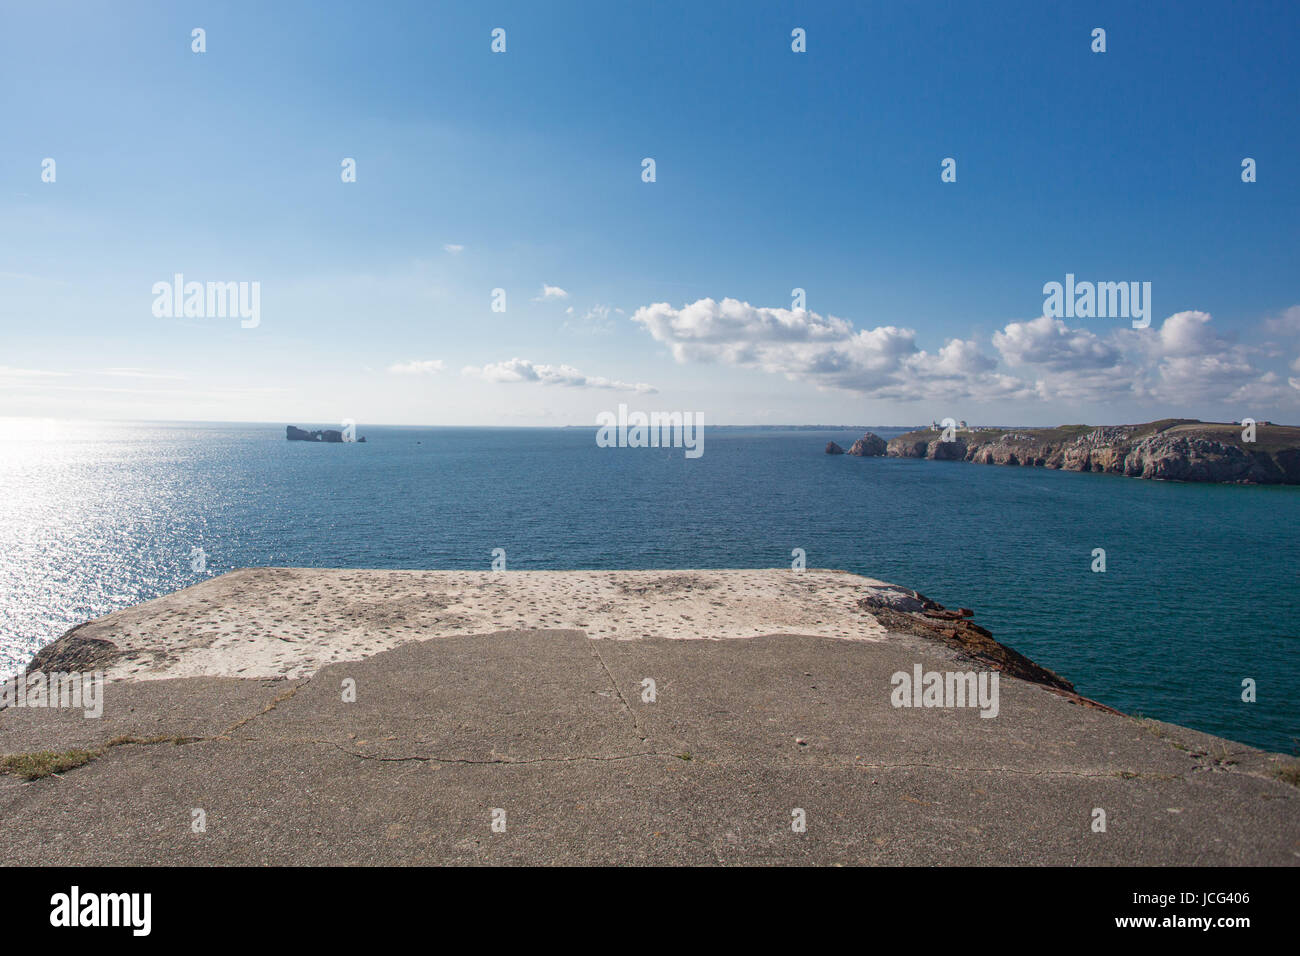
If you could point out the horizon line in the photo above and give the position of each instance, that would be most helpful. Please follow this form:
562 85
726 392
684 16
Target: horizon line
281 423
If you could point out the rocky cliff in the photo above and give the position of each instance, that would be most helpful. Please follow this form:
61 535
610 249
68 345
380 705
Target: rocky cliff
1171 449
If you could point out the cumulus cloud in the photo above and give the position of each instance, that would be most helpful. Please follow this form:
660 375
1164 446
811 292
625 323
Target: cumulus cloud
1048 342
1193 362
1187 335
884 362
1183 360
1068 364
551 292
523 370
1285 323
427 367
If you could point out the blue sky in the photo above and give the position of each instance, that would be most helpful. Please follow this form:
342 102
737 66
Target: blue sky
774 170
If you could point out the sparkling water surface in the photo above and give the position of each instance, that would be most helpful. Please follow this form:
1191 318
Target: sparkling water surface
1200 589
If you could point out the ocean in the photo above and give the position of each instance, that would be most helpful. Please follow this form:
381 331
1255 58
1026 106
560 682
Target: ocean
1199 593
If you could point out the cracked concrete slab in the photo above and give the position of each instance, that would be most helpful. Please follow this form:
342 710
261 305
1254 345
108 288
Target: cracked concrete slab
834 696
548 698
195 707
551 728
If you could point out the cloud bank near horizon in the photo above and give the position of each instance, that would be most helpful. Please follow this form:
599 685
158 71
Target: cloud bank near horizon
1183 360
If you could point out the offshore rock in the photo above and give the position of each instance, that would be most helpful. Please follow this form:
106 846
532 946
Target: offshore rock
868 446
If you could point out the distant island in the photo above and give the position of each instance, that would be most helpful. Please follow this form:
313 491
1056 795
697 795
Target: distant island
294 433
1172 449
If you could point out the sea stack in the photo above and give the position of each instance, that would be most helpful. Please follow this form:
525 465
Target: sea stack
868 446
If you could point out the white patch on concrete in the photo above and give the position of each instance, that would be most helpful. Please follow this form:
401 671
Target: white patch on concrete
267 622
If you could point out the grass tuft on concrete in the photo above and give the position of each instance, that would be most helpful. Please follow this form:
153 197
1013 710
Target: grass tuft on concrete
34 766
1289 773
45 763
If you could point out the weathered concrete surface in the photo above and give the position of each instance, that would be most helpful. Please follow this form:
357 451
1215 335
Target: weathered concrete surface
550 726
286 622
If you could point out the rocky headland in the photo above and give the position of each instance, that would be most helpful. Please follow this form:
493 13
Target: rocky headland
1170 449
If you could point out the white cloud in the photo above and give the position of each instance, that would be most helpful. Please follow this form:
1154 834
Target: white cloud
551 292
453 248
1181 361
1073 365
1194 363
427 367
1050 343
1285 323
1187 335
883 362
523 370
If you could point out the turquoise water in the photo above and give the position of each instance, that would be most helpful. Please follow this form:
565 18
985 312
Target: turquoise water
1200 589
